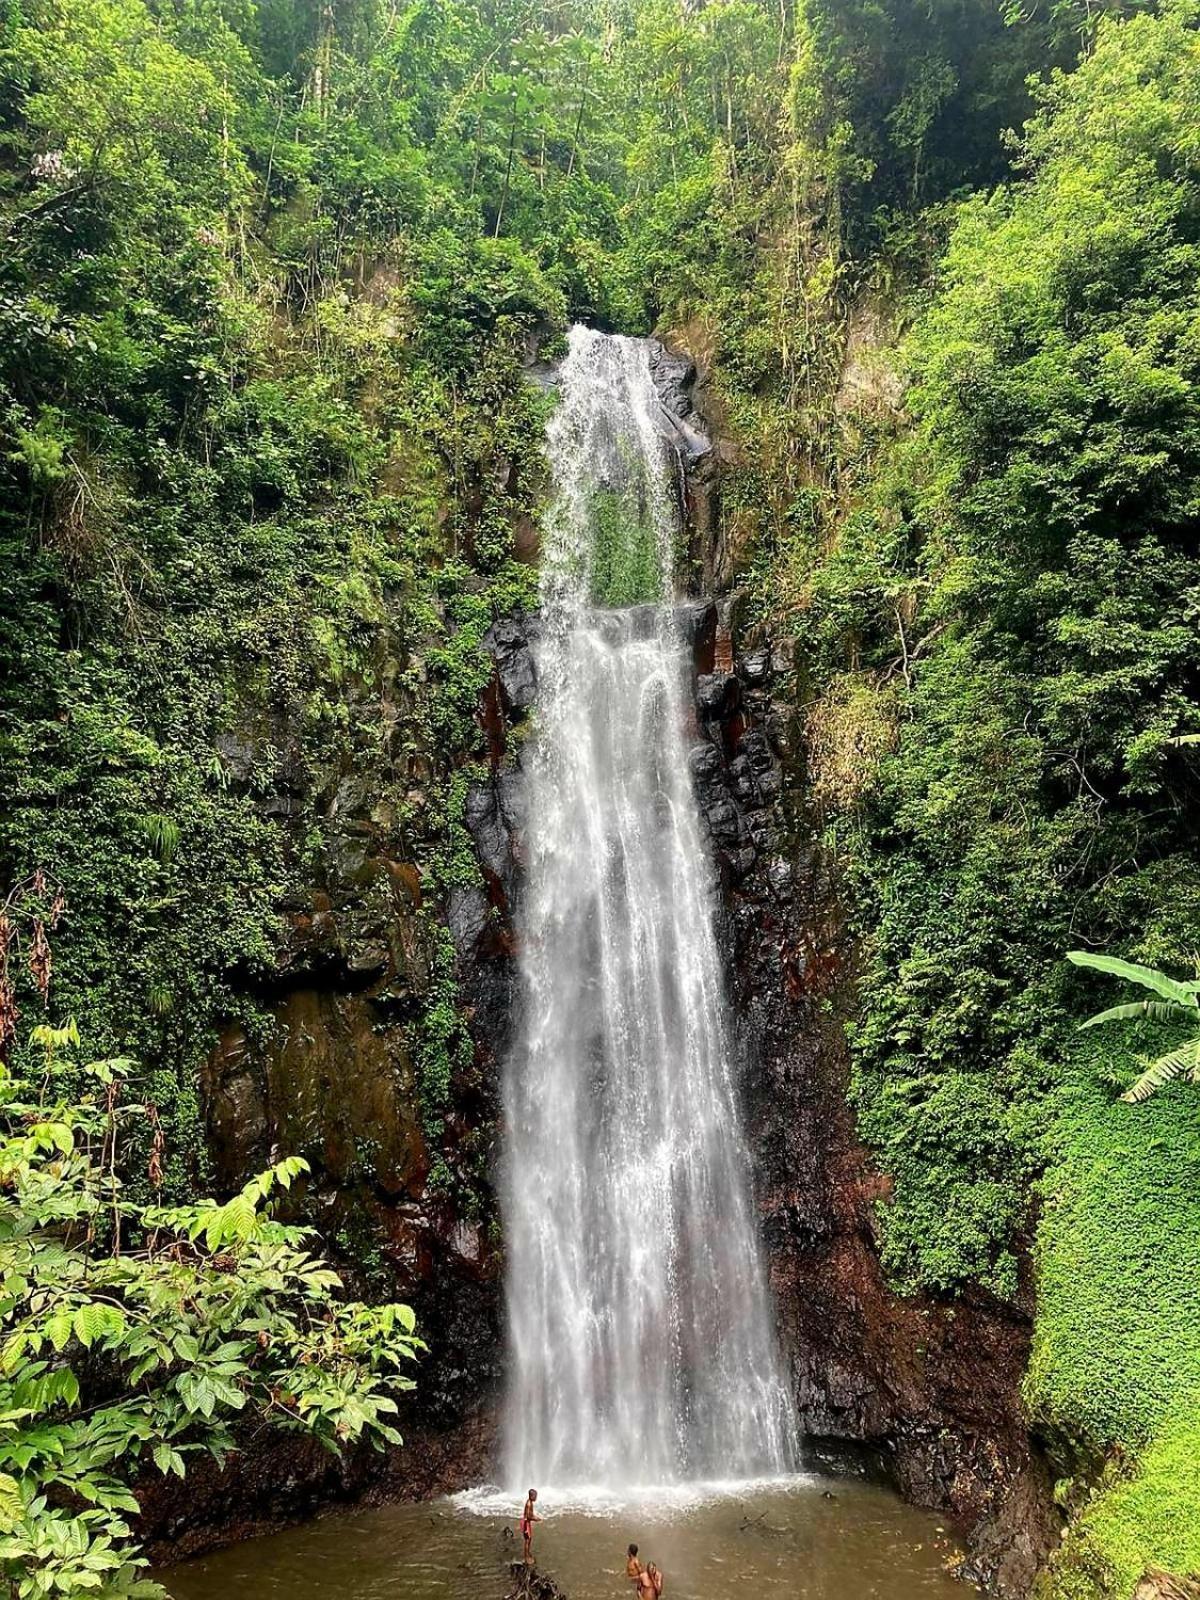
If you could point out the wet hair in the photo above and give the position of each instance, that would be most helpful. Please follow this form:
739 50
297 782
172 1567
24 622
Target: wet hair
633 1549
533 1494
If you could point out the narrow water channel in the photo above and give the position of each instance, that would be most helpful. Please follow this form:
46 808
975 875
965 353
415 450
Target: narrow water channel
812 1540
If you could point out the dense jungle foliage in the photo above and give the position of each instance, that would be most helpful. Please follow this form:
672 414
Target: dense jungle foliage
139 1336
271 276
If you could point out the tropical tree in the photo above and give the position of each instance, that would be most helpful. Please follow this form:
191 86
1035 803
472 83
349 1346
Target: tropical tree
1169 1001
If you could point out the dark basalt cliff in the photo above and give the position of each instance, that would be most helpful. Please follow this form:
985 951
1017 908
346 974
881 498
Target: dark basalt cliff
930 1388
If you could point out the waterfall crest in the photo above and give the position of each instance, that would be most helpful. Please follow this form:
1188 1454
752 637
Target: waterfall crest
642 1349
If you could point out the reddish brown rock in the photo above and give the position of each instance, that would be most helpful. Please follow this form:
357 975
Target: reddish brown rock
1156 1585
931 1388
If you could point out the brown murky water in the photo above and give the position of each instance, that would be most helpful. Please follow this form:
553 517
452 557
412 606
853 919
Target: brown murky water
813 1539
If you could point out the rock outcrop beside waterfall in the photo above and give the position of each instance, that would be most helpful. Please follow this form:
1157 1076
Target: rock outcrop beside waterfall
930 1389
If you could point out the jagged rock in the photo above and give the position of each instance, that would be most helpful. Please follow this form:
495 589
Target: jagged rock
725 821
481 813
509 643
697 621
757 751
770 784
530 1584
466 917
280 806
755 668
636 622
674 377
511 792
494 817
765 837
742 780
239 757
779 876
742 861
347 861
717 694
351 798
706 764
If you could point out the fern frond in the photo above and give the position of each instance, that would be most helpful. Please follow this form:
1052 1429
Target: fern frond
1183 994
1156 1010
1175 1064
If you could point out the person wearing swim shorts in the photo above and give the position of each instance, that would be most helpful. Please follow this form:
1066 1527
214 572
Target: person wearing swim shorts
528 1518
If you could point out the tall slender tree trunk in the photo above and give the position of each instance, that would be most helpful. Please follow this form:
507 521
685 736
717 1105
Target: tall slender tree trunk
578 121
512 145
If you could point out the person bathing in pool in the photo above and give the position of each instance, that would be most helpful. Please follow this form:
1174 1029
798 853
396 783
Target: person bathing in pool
528 1518
633 1568
650 1583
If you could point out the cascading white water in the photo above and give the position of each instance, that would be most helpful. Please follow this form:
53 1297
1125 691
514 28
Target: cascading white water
642 1350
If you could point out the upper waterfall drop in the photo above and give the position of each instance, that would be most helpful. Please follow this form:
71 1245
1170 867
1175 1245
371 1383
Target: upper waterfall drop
642 1348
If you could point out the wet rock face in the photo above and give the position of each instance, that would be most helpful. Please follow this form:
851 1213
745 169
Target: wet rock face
274 1480
335 1079
510 645
674 377
933 1388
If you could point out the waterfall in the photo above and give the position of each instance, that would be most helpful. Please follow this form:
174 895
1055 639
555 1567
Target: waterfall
642 1349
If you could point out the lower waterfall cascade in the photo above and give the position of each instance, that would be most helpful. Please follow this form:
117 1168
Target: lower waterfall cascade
642 1348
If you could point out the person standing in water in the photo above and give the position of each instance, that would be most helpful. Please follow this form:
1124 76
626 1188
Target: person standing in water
528 1518
650 1583
633 1568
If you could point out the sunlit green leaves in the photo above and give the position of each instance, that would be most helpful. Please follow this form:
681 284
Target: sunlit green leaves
204 1313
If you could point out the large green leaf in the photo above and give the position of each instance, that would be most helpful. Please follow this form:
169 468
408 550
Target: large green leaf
1183 994
1155 1010
1178 1063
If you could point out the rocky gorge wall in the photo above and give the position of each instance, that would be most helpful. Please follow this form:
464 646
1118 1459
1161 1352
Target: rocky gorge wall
929 1391
924 1390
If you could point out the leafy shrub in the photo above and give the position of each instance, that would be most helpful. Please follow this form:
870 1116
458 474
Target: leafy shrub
136 1335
